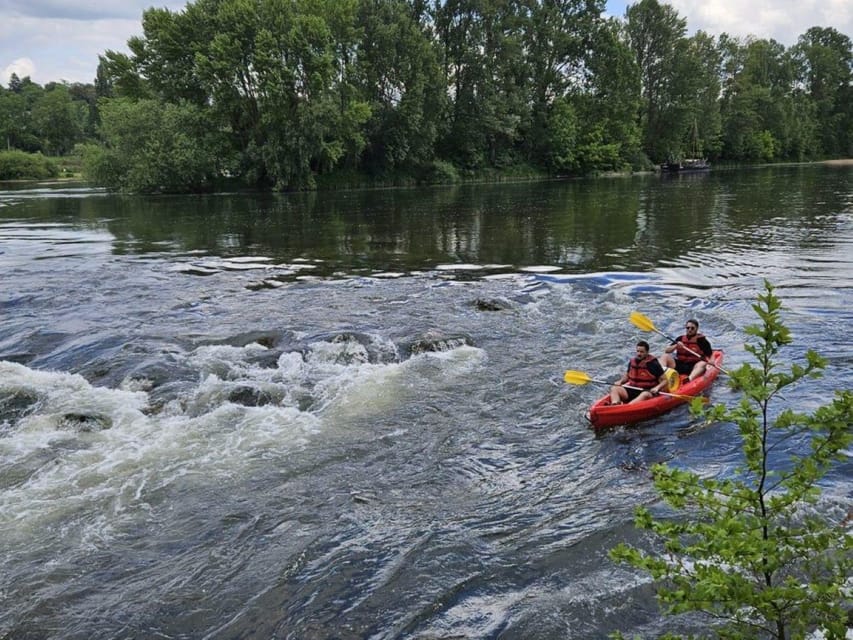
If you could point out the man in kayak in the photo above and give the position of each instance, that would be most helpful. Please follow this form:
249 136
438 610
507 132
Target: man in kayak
644 378
692 351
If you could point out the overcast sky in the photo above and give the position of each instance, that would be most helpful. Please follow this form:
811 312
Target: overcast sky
56 40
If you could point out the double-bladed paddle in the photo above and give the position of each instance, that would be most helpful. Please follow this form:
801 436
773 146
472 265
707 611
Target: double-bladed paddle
643 322
579 377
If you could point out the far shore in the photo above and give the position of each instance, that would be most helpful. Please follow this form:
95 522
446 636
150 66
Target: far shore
839 162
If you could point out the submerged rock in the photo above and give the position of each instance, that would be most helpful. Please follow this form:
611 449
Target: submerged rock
438 342
251 397
493 304
15 406
85 422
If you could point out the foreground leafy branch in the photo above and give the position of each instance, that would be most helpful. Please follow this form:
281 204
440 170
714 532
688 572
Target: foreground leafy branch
753 552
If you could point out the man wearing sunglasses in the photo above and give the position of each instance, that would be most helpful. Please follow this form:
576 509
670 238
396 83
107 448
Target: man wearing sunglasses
692 351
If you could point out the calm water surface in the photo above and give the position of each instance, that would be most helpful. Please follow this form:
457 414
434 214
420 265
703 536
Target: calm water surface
343 415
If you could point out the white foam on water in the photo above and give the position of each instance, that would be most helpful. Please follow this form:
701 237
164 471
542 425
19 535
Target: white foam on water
243 266
541 269
459 267
81 462
275 284
66 449
239 259
369 391
88 458
501 276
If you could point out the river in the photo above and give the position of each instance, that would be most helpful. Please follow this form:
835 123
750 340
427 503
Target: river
342 415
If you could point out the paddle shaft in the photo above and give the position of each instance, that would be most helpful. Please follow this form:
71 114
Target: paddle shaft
628 386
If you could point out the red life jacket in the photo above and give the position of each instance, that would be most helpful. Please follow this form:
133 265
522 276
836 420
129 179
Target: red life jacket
685 343
639 374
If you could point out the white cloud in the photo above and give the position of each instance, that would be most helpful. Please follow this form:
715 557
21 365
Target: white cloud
22 67
82 9
781 20
62 40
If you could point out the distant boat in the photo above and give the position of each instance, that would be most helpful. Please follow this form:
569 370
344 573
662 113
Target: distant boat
688 164
683 166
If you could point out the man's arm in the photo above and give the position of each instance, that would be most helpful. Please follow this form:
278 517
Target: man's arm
672 346
657 370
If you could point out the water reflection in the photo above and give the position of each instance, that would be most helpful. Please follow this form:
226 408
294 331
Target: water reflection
578 226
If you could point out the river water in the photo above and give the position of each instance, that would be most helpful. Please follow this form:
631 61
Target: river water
342 415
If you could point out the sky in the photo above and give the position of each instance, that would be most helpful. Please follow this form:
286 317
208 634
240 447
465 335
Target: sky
60 40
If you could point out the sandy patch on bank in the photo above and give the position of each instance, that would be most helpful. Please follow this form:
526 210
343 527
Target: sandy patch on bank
846 161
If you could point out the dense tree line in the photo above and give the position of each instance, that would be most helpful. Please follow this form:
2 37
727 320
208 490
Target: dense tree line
281 92
49 119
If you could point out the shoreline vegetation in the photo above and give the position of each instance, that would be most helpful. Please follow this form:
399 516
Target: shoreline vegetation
340 95
18 167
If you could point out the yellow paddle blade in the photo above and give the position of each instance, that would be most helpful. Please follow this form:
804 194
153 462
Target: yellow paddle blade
641 321
576 377
673 380
687 398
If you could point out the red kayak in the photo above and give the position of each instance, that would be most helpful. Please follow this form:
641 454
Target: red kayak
603 414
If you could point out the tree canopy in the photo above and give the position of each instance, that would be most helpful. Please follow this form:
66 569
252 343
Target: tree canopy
291 90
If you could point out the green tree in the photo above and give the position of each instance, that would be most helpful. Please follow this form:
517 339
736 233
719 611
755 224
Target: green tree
274 75
18 165
310 115
12 112
656 35
824 59
153 146
16 107
753 551
563 43
765 119
57 120
85 99
118 76
701 130
608 104
399 75
563 153
481 47
15 83
166 56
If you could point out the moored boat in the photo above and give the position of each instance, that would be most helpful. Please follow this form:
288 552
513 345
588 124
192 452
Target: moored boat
602 414
692 164
686 165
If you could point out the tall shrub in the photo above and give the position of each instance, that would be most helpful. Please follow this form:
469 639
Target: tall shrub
19 165
753 551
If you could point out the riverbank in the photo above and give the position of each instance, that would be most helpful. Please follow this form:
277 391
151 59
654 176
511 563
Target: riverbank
70 169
